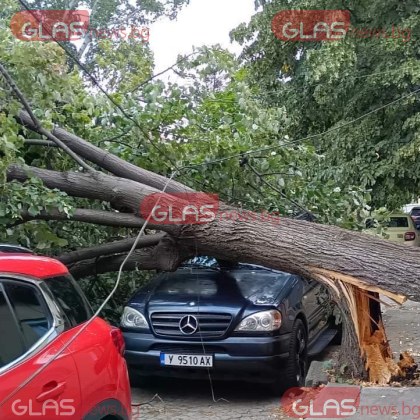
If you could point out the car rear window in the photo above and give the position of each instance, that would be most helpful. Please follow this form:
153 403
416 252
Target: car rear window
70 298
397 222
394 222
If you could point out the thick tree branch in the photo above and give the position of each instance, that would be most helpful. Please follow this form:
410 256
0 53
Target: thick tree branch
97 186
107 160
38 142
139 260
116 247
166 256
97 217
36 123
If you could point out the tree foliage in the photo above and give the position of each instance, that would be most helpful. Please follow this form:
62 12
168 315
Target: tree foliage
325 85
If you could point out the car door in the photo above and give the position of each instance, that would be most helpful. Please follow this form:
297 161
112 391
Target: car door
315 302
28 341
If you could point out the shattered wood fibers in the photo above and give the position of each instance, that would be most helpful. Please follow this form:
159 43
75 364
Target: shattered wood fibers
363 302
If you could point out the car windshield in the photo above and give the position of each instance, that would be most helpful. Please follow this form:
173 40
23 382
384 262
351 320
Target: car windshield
190 283
260 286
255 284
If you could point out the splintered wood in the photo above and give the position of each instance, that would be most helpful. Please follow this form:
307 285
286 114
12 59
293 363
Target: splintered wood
363 305
374 345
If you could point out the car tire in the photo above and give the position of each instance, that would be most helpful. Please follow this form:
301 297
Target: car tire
294 374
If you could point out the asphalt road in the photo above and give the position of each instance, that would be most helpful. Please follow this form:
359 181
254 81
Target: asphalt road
176 399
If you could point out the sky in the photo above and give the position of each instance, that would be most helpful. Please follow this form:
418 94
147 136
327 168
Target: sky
202 22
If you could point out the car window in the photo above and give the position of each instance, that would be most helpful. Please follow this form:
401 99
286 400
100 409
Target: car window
199 283
398 222
259 286
70 298
30 310
394 222
12 344
415 212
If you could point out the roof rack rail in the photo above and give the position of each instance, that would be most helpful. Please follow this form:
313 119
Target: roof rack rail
14 249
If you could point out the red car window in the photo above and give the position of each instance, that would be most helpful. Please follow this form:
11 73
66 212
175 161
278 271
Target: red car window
70 299
25 319
13 346
31 313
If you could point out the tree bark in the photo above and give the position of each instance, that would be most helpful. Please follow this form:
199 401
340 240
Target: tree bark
294 246
166 256
116 247
97 217
37 142
107 160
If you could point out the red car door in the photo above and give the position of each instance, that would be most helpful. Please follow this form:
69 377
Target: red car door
28 341
102 371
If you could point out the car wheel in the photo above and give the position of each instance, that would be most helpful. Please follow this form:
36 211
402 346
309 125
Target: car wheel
296 368
297 363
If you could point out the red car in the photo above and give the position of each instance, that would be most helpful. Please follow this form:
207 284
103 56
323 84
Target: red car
41 308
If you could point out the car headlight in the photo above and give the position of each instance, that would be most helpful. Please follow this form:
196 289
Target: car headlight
261 321
132 318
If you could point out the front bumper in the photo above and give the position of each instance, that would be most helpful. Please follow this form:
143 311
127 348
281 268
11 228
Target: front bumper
247 358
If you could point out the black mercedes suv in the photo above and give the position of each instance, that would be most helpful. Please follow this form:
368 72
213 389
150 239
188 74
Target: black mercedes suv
238 322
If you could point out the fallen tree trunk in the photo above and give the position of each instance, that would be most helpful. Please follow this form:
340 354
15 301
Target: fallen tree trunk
354 266
295 246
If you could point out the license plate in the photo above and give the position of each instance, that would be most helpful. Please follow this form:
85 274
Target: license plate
187 360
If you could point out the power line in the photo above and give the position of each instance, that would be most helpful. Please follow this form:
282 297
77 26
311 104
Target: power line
233 100
282 194
310 137
139 86
95 81
364 76
36 122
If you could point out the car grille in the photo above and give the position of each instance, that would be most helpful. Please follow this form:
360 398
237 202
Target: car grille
210 325
188 349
